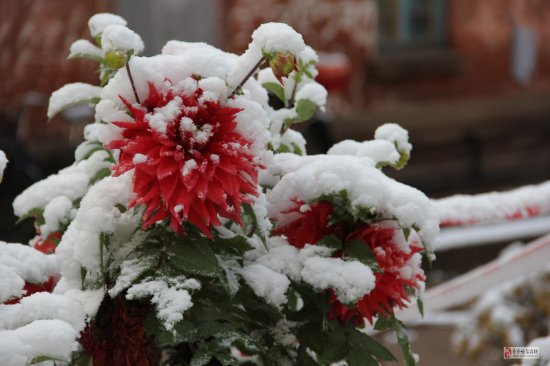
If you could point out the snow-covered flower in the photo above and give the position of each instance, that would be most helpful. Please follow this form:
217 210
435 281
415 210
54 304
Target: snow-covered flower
398 259
400 270
191 164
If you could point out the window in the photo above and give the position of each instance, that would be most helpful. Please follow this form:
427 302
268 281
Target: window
404 24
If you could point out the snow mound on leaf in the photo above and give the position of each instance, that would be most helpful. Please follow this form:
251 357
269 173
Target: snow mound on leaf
309 178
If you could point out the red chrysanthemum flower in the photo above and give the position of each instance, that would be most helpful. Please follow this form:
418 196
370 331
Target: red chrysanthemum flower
391 284
310 227
190 162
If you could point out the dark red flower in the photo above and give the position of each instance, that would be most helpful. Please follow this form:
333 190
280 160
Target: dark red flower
117 335
46 246
191 164
310 227
390 286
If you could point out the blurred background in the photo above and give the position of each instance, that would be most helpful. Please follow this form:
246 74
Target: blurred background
469 79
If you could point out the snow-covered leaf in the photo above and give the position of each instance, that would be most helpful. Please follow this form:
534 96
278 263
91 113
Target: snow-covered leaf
83 48
72 94
276 89
305 109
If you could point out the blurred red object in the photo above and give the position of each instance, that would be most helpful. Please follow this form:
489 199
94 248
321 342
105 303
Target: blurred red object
334 71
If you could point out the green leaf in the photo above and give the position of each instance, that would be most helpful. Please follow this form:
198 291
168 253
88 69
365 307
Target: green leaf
91 152
183 331
201 357
121 207
297 149
403 340
304 359
420 305
407 232
305 109
383 323
276 89
238 242
83 273
37 213
39 359
331 241
311 335
360 357
100 174
359 340
359 250
195 258
335 348
292 299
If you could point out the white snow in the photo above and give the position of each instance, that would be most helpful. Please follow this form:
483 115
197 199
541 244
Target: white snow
543 344
315 92
395 134
381 151
350 280
160 117
41 305
130 270
266 283
278 37
117 37
11 284
28 264
48 337
56 212
80 245
308 178
495 206
139 158
3 163
100 21
171 296
71 182
85 48
71 94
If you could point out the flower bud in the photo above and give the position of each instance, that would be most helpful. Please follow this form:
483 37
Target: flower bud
115 59
282 64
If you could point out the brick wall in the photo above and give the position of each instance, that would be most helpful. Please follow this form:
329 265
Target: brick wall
35 36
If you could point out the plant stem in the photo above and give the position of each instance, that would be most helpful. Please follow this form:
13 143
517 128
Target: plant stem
132 81
251 72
